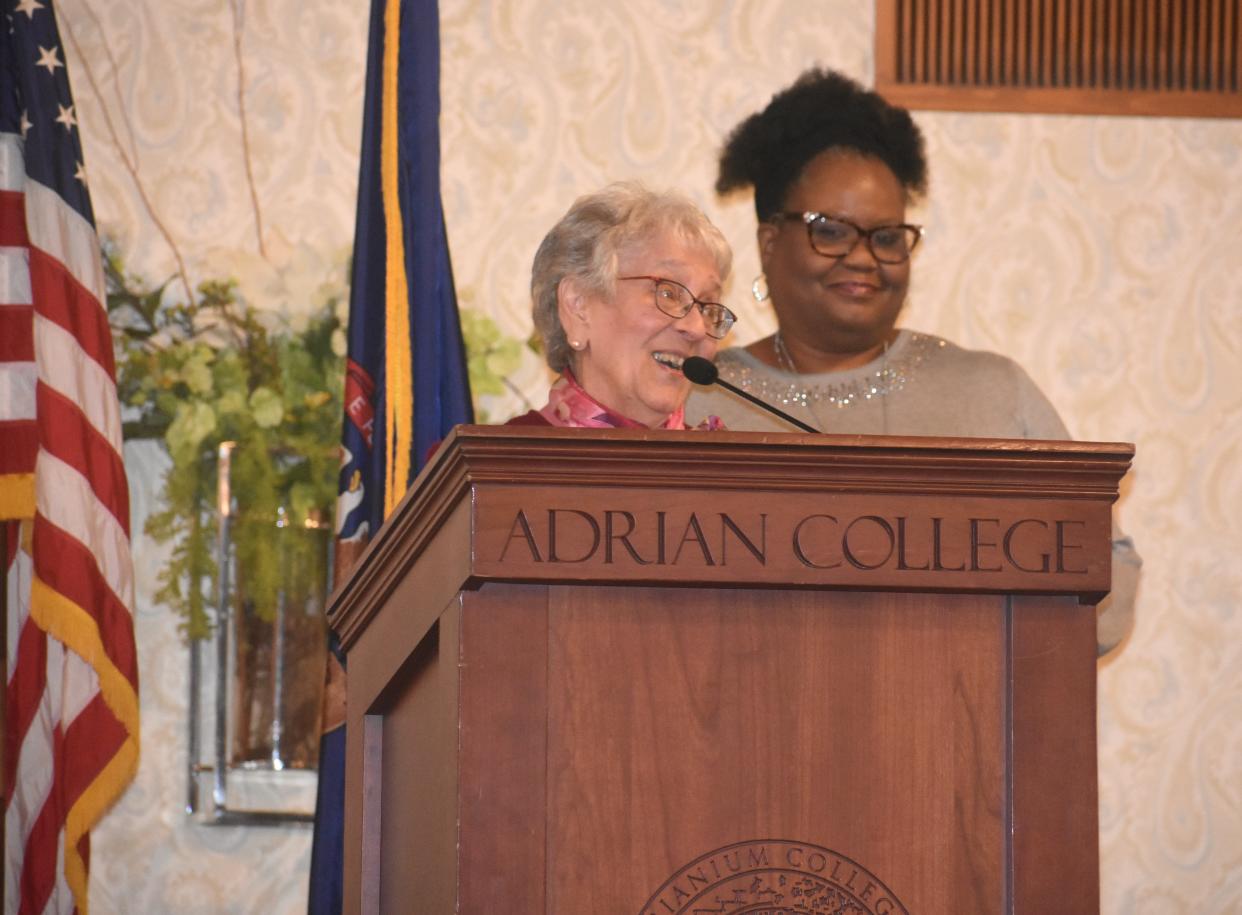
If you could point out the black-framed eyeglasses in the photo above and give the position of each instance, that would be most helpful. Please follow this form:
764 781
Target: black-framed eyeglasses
833 236
675 300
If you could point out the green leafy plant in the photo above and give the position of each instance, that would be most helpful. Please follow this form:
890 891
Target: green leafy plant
491 357
197 375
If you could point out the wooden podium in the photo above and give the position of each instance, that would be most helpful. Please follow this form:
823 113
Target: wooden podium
597 672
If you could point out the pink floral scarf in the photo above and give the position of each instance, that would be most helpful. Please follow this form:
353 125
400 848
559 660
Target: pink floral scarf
569 405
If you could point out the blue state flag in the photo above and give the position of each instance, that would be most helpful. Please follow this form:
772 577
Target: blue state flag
406 384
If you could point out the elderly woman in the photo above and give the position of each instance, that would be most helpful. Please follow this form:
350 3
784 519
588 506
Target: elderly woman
833 167
625 287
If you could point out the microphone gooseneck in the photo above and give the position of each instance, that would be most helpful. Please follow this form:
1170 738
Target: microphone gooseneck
704 372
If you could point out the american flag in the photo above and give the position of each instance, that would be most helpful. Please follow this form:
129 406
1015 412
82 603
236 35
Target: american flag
71 714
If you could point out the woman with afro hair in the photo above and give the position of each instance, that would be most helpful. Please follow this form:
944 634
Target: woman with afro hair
834 167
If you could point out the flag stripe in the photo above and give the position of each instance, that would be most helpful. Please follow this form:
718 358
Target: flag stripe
18 564
79 688
15 279
82 380
16 345
79 581
21 446
67 435
24 693
35 769
73 626
17 384
97 738
61 232
93 738
12 166
61 298
13 218
75 514
39 866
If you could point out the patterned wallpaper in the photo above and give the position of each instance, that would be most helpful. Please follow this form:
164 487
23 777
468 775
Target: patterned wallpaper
1101 253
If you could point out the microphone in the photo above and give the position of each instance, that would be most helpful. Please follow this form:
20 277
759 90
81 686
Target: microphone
704 372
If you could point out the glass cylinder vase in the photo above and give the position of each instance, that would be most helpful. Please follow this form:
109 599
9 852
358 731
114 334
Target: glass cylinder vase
259 695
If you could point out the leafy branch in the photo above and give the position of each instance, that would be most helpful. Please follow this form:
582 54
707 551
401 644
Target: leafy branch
212 371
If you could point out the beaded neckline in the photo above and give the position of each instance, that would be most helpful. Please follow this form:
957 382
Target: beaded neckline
786 389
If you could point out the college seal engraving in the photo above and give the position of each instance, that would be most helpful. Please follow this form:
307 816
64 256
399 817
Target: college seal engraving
773 877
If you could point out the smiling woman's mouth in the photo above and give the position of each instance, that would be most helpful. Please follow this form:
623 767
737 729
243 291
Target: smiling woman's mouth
669 360
855 290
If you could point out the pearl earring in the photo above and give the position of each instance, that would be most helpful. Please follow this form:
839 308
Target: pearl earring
759 288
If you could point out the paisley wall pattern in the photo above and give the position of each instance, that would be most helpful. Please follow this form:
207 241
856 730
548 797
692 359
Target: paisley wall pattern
1102 253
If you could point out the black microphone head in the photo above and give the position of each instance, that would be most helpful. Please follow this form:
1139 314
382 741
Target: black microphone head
700 370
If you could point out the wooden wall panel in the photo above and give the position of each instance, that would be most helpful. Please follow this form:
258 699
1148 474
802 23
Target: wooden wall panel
1134 57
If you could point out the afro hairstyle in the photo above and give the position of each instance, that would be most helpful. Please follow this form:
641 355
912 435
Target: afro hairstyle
823 110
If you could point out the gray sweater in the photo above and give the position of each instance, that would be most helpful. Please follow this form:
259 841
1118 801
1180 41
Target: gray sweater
923 385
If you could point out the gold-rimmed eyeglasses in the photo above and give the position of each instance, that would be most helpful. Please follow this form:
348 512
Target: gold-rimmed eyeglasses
675 300
833 236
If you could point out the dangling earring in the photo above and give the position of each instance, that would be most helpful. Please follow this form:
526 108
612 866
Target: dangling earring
759 288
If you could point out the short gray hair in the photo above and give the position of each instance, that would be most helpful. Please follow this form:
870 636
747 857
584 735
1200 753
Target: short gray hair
587 241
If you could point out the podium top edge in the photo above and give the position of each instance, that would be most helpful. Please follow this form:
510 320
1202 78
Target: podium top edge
465 435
